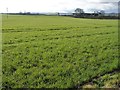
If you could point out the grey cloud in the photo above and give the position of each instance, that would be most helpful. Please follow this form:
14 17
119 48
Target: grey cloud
92 6
103 0
109 0
106 5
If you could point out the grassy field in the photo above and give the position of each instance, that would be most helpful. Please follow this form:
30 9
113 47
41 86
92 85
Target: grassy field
62 52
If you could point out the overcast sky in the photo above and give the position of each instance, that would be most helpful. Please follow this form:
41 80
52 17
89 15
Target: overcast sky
57 5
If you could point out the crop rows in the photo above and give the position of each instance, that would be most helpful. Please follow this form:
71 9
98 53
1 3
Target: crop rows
52 51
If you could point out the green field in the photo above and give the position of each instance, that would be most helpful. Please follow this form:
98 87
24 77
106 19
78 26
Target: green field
62 52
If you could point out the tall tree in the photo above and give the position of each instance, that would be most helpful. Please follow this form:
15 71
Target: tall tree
79 10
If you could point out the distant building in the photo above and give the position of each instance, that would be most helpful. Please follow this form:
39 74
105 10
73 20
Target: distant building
65 14
51 14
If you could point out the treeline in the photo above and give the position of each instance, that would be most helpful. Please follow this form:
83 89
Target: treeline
24 13
101 17
88 15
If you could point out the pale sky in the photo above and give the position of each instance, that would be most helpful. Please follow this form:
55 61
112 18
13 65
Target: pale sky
57 5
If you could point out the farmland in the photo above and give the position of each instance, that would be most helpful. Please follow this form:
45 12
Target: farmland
54 51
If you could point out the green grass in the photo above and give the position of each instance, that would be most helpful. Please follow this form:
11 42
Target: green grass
53 51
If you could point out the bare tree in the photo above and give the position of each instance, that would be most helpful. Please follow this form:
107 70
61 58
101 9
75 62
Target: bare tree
100 12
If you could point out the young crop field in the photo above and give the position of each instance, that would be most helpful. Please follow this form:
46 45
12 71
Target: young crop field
61 52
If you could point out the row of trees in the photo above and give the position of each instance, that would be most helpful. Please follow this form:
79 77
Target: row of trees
79 10
99 14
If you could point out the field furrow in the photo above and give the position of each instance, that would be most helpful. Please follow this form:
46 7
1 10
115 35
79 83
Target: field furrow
62 52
